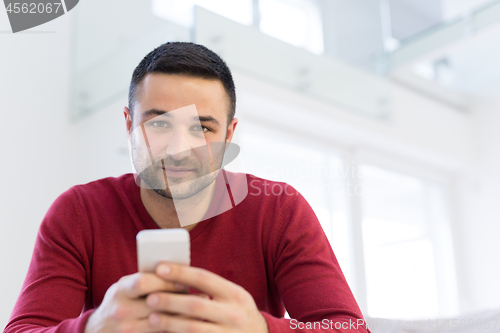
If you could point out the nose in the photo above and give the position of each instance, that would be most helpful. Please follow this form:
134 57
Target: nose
178 146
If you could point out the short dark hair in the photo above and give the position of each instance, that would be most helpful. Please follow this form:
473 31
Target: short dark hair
188 59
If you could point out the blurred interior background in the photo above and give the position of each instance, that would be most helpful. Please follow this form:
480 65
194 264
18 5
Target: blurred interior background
382 113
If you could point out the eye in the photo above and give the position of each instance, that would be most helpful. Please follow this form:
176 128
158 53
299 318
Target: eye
200 128
159 124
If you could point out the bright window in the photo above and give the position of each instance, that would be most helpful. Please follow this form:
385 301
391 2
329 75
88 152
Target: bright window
400 257
181 11
297 22
394 224
316 171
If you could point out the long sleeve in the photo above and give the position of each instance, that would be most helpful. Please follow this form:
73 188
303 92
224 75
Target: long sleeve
86 242
54 291
308 276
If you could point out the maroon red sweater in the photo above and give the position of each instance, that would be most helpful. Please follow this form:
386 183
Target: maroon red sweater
271 244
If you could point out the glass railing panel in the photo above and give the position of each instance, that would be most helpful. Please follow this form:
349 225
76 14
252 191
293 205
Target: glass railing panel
248 50
107 50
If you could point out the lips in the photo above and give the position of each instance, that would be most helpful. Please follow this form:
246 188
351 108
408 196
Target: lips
177 172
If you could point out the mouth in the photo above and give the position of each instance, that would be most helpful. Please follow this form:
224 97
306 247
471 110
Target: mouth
176 172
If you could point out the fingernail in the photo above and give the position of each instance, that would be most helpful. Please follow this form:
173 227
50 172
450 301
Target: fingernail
153 300
154 319
164 270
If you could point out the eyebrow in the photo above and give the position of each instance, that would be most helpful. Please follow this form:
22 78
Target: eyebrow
156 112
207 118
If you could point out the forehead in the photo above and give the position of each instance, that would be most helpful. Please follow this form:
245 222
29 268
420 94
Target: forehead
170 92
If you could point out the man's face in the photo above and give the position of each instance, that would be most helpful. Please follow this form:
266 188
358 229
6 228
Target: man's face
178 133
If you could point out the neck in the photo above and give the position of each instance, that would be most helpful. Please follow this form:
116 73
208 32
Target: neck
177 213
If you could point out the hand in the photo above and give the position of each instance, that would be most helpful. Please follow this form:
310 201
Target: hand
232 308
124 308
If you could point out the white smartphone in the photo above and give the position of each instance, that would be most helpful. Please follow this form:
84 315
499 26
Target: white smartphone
155 245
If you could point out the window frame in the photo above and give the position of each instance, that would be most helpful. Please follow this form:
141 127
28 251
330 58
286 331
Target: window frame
355 155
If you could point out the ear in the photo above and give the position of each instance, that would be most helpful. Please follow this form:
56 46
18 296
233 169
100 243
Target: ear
230 129
128 121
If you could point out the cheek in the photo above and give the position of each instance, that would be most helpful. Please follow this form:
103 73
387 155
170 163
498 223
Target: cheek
141 153
216 145
156 146
214 152
137 136
148 142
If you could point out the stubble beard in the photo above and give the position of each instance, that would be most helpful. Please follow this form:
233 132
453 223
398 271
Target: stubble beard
173 187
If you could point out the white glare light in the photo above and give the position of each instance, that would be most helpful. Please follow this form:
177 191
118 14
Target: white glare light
181 11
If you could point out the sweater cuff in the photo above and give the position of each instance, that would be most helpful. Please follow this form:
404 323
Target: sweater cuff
83 321
276 325
73 325
76 325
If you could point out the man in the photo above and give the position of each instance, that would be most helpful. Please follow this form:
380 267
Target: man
253 253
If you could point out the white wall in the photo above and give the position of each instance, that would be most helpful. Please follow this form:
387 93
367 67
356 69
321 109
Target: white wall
479 195
36 142
100 141
455 8
44 153
419 128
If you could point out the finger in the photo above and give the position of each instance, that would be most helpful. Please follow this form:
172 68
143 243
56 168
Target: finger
189 305
141 284
204 296
177 324
182 289
129 309
142 325
201 279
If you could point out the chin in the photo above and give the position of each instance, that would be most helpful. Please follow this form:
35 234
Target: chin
191 187
164 193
